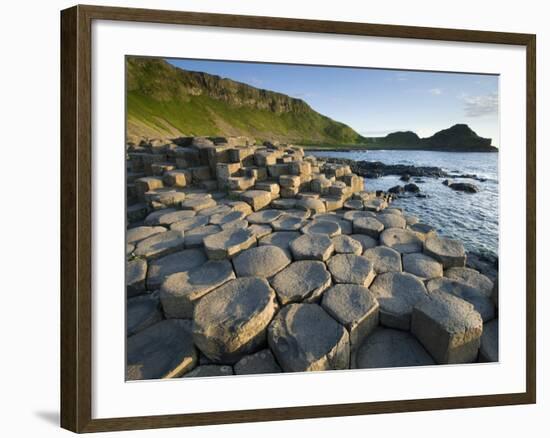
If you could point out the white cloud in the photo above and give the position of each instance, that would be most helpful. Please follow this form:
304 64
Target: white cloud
435 91
477 106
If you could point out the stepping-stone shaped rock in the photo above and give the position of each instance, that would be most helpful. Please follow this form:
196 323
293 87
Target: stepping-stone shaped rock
161 351
421 265
368 226
397 293
136 271
303 337
229 243
283 203
365 241
160 244
257 199
356 214
225 218
264 216
355 308
190 223
472 278
281 239
384 259
217 209
210 371
393 210
347 245
260 230
231 321
404 241
233 225
301 281
288 222
392 220
302 214
194 238
388 348
262 362
423 230
353 204
142 312
346 227
313 205
457 324
261 261
488 350
476 297
449 252
134 235
315 228
181 291
411 220
351 268
175 216
198 204
166 197
240 206
180 261
307 247
152 219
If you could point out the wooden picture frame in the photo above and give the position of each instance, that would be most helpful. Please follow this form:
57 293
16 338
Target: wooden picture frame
76 217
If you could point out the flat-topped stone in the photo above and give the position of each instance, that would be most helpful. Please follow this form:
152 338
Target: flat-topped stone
233 225
160 244
472 278
365 241
353 204
181 291
397 293
283 203
281 239
302 281
241 206
142 312
257 199
226 244
368 226
231 321
391 220
356 214
481 302
308 247
303 337
384 259
449 252
175 216
488 349
224 218
355 308
456 322
423 230
346 245
423 266
136 271
311 204
261 362
210 371
260 230
194 238
261 261
217 209
346 227
264 216
288 222
134 235
179 261
319 227
296 212
401 240
198 203
388 348
351 268
152 219
161 351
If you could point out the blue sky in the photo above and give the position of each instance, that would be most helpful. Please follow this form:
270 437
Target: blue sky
375 102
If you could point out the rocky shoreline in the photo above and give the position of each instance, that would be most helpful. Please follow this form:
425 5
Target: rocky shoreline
245 259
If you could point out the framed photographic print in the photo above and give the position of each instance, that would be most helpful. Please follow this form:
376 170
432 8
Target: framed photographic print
304 218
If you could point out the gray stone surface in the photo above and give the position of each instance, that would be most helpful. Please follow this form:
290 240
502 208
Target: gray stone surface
136 272
134 235
366 241
314 205
152 219
161 351
181 291
281 239
488 350
225 218
231 321
301 281
264 216
234 225
397 293
142 312
307 247
303 337
229 243
190 223
347 245
260 230
288 222
167 219
355 308
472 278
351 268
194 238
261 362
356 214
404 241
449 252
217 209
423 266
368 226
480 301
423 230
353 204
388 348
318 227
448 327
210 371
384 259
180 261
160 245
198 204
257 199
261 261
391 220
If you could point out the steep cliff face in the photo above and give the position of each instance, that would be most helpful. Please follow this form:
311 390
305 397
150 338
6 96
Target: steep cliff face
163 101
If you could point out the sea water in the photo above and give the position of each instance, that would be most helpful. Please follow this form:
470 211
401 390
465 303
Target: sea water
470 217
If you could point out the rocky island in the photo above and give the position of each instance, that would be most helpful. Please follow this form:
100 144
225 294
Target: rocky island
246 258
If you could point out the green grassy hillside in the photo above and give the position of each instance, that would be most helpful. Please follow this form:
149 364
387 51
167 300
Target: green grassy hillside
164 101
